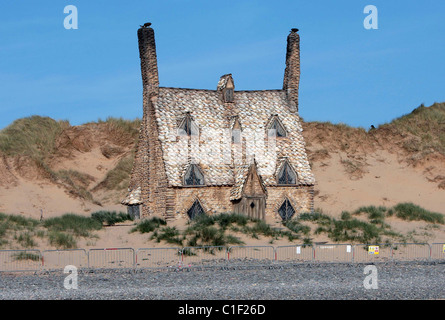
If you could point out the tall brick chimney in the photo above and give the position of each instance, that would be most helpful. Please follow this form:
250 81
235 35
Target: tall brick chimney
149 62
292 72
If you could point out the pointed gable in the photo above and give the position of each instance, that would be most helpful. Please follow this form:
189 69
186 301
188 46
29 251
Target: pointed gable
286 174
247 182
276 128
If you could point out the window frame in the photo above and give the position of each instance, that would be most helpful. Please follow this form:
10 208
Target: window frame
196 202
229 95
276 119
190 124
193 167
286 201
287 165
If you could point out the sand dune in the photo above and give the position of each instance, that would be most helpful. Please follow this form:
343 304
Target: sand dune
352 168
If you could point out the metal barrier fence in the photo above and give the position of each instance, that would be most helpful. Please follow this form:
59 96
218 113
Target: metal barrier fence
411 251
20 260
59 259
110 258
158 257
372 253
333 253
438 251
251 254
200 256
294 254
152 258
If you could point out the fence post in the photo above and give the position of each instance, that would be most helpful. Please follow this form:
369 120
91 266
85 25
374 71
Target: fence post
353 252
392 252
431 254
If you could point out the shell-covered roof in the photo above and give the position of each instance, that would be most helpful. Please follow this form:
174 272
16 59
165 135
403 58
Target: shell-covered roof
214 118
241 174
133 197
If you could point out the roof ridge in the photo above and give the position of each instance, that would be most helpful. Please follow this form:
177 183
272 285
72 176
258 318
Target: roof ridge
211 90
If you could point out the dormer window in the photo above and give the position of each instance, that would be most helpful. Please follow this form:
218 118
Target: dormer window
188 127
226 87
228 95
287 175
193 176
276 128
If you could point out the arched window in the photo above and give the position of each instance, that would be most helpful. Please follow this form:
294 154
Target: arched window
193 176
195 210
276 128
287 175
286 211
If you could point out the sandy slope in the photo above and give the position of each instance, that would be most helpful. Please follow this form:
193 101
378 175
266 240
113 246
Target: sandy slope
32 195
385 182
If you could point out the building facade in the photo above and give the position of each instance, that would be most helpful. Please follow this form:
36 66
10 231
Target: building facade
222 150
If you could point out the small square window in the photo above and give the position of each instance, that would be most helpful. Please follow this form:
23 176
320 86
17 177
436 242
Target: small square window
228 95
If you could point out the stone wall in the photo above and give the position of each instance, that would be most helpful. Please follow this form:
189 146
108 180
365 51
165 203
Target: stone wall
215 200
301 198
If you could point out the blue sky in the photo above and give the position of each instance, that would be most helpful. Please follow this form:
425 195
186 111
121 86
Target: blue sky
348 74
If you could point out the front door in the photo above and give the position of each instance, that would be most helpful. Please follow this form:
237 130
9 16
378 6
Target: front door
255 207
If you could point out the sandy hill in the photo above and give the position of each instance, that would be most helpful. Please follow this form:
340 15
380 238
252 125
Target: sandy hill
402 161
49 167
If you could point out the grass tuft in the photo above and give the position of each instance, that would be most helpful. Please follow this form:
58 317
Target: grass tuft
110 218
33 136
26 256
62 240
168 234
78 225
410 211
149 225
